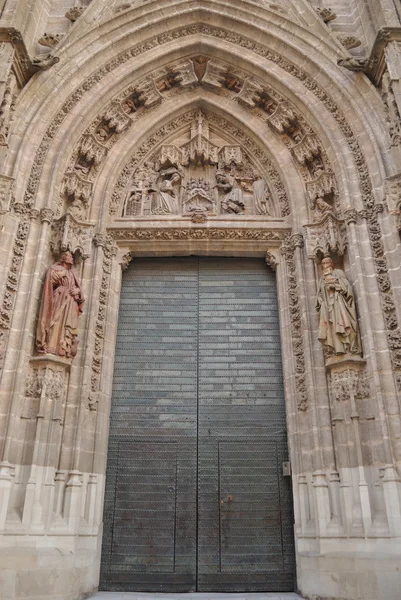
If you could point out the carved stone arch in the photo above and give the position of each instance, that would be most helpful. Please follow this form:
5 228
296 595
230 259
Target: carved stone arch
55 116
217 35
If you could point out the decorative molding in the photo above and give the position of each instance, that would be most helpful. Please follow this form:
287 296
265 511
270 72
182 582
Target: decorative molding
106 242
6 185
287 249
125 235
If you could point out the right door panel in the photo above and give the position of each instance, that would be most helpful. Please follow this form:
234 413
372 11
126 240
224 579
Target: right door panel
245 539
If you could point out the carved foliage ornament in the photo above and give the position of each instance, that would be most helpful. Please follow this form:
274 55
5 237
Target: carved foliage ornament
288 250
45 390
106 242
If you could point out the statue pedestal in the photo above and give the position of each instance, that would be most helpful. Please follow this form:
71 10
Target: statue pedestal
345 361
41 361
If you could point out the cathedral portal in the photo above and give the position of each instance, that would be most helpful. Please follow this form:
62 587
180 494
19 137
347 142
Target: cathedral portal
196 497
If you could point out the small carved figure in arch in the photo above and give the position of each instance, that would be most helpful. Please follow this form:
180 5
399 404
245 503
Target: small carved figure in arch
133 205
261 197
232 201
168 194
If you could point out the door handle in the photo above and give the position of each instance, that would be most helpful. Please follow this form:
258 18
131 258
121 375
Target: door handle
226 500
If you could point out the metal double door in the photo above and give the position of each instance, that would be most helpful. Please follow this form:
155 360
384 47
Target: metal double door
195 495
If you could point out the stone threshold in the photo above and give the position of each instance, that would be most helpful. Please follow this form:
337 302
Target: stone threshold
196 596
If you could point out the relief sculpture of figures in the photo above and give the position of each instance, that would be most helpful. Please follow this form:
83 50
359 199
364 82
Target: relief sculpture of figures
338 325
168 195
233 199
62 303
261 197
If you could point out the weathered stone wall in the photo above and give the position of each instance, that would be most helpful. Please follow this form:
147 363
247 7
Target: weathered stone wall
79 130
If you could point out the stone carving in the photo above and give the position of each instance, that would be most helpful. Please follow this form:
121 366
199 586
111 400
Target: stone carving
62 303
352 63
50 40
78 191
198 176
241 41
168 195
232 201
326 236
70 234
74 13
45 390
91 152
348 382
262 198
335 304
45 62
323 185
326 14
288 250
128 234
6 184
6 108
349 41
198 199
105 242
306 149
114 121
271 260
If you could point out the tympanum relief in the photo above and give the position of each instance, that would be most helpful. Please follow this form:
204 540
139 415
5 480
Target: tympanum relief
200 173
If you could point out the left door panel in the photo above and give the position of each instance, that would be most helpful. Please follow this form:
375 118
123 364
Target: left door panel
149 540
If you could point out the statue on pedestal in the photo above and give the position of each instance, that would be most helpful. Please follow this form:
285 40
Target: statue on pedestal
62 303
335 304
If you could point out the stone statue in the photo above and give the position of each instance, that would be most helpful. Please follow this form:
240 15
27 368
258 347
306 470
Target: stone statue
62 303
233 198
338 325
167 201
261 197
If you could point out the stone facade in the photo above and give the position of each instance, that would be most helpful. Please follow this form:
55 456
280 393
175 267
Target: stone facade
213 127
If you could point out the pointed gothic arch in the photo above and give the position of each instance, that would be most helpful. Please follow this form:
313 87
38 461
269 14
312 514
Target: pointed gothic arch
269 83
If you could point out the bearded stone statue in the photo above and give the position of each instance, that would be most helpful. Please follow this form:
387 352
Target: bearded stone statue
61 305
335 304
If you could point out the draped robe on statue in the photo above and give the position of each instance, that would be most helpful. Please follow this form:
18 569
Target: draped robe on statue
338 325
60 308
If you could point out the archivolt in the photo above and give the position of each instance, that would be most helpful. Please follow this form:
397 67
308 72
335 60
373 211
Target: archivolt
230 41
